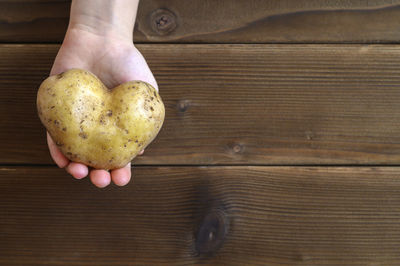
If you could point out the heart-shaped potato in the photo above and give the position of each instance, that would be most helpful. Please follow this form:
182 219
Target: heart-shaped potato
91 124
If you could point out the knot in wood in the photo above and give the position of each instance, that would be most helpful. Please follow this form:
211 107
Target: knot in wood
237 148
183 105
163 21
212 233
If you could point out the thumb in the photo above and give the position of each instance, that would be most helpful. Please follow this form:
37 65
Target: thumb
138 69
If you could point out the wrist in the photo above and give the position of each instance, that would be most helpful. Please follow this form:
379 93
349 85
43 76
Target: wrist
106 18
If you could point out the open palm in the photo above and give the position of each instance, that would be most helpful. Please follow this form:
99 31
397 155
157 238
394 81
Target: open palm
114 60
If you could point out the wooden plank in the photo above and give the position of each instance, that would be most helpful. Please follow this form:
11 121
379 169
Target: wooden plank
212 215
238 104
223 21
33 20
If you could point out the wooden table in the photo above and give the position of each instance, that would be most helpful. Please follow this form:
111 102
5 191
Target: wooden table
281 144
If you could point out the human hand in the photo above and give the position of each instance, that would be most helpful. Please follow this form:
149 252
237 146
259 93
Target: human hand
114 59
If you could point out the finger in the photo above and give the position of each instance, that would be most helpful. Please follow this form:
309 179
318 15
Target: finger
56 154
141 152
100 178
121 176
77 170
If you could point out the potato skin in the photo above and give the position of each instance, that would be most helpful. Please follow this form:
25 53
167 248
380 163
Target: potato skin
101 128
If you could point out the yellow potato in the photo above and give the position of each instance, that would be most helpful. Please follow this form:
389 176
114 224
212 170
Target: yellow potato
91 124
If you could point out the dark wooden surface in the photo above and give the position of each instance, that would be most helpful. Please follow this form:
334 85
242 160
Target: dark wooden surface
206 190
222 21
238 104
268 215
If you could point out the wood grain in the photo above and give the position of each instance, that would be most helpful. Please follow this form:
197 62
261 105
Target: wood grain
238 104
223 21
273 215
33 20
260 21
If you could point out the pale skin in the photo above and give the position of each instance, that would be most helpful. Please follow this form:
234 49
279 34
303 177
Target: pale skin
99 39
